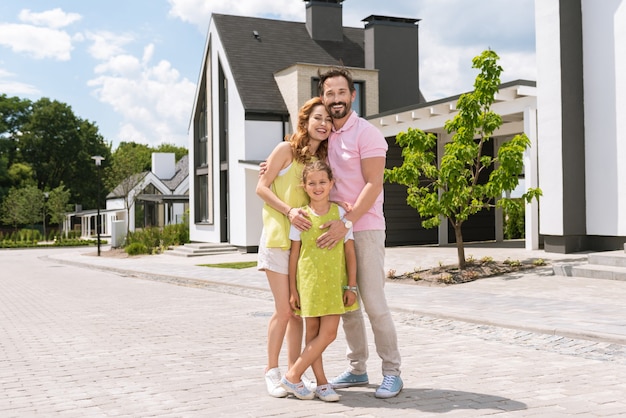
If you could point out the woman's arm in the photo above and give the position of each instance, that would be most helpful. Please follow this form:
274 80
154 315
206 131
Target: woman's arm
280 158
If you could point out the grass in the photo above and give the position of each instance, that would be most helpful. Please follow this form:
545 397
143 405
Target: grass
238 265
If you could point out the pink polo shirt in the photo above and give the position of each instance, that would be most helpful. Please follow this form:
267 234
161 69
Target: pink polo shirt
356 140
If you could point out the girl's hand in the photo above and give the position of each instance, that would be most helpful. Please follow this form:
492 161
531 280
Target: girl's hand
349 298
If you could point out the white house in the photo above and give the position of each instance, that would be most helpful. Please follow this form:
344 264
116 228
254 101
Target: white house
155 198
257 72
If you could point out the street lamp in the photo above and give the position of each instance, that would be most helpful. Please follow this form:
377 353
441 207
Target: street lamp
45 201
98 159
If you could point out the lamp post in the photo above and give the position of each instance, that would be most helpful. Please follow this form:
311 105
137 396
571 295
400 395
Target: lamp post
98 159
45 201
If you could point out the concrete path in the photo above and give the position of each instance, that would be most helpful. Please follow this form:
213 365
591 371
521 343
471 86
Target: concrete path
159 336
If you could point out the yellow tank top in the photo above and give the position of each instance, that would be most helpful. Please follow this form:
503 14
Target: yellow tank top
288 187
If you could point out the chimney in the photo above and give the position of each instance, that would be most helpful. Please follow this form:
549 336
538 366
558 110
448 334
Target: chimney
324 20
391 47
164 165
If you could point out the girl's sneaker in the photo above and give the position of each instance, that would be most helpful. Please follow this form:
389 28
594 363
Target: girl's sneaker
272 380
326 393
298 389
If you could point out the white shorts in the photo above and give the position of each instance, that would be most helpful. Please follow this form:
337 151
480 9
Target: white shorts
273 259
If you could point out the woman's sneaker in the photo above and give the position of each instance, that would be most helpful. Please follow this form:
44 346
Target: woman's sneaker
326 393
272 380
298 389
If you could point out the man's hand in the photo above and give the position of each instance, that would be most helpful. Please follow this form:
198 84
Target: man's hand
262 168
336 232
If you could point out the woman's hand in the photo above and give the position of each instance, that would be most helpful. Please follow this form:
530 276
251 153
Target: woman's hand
294 300
299 219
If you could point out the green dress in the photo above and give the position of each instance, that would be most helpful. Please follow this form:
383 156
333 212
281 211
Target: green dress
321 272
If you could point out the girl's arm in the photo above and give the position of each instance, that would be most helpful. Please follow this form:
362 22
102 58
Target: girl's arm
349 296
294 297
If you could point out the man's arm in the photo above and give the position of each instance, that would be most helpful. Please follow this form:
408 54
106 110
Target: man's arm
373 170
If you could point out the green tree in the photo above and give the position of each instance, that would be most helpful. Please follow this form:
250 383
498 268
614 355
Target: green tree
34 205
140 153
179 152
58 146
12 208
20 175
58 204
13 114
452 190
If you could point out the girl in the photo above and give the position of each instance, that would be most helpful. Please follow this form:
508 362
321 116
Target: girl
322 283
280 187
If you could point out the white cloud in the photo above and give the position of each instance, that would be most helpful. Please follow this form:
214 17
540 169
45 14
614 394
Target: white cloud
35 41
121 65
55 18
15 88
199 12
153 100
107 44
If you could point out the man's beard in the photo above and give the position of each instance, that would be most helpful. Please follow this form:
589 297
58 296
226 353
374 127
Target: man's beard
339 114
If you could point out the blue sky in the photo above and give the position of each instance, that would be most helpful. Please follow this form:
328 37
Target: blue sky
131 66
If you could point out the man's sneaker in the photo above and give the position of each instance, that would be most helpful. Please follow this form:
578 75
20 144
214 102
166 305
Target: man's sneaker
272 380
347 379
391 386
310 384
298 389
326 393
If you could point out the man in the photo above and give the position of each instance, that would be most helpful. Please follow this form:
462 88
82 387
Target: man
357 153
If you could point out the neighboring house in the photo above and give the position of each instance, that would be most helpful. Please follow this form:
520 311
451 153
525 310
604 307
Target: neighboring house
256 73
156 198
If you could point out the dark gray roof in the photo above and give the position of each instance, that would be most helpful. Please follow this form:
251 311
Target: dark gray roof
182 172
280 44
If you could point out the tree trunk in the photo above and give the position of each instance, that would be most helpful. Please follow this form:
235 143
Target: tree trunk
460 249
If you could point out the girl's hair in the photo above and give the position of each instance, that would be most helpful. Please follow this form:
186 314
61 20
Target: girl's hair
300 139
316 166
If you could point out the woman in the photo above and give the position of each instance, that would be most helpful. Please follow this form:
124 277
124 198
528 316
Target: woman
280 187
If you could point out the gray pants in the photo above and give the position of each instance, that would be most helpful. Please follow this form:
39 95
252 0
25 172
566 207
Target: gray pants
370 257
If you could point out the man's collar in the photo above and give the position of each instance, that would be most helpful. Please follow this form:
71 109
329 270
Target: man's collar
351 120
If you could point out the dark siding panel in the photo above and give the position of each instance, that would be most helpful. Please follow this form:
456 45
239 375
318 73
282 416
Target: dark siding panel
404 225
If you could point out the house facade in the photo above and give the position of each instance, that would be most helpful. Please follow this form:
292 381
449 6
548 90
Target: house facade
154 198
581 98
256 73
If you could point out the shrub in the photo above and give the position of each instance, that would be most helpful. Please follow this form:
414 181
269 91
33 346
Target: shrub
136 248
514 222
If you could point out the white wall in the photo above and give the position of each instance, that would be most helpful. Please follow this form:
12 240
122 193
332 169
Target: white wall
604 57
549 116
261 138
236 152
